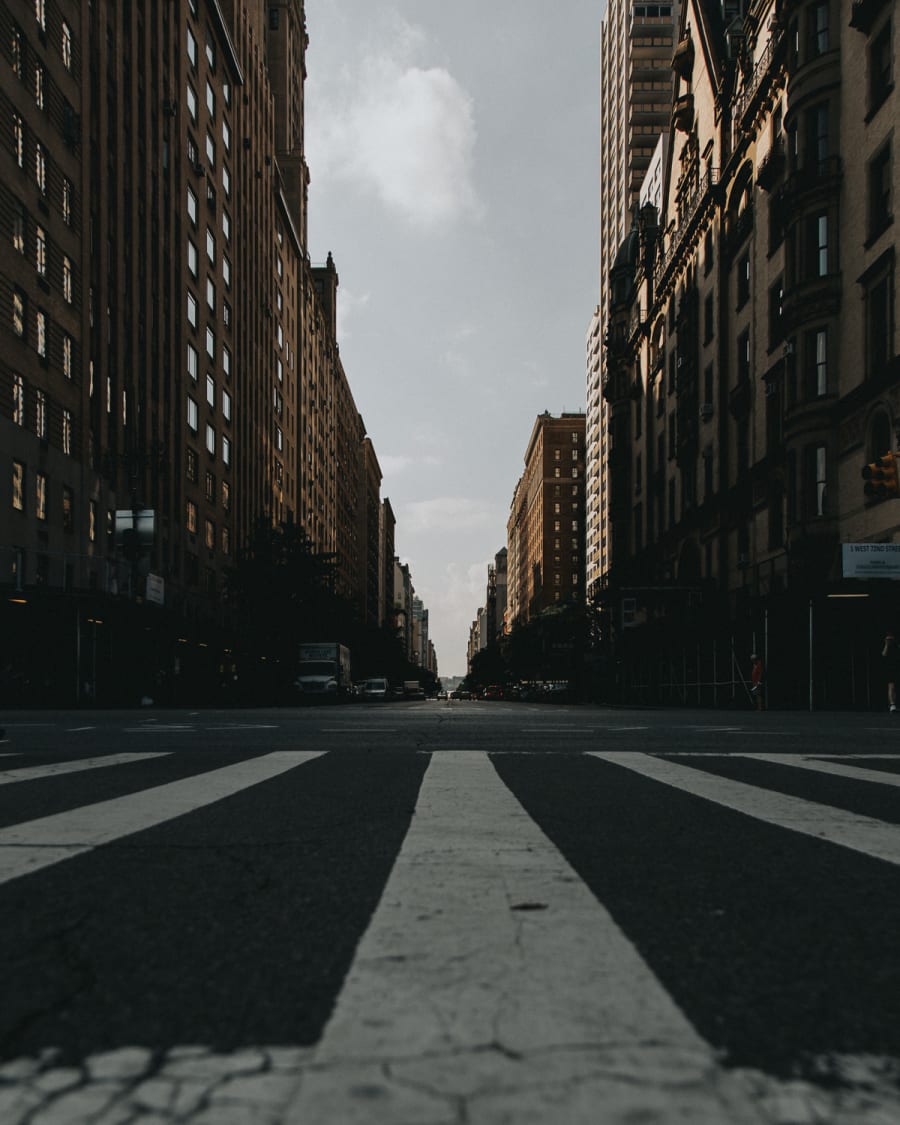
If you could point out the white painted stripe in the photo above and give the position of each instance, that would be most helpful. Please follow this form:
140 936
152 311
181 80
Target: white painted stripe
459 1006
860 833
53 769
858 773
74 730
28 847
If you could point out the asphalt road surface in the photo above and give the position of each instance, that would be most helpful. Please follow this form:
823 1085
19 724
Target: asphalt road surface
449 914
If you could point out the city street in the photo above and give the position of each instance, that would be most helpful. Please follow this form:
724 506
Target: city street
458 912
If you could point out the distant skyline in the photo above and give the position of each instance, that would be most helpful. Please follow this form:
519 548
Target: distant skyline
454 169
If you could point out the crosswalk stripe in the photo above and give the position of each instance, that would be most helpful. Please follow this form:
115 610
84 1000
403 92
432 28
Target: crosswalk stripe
864 834
54 769
550 1012
858 773
28 847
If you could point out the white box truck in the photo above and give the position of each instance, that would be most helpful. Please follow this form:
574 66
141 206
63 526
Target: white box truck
324 672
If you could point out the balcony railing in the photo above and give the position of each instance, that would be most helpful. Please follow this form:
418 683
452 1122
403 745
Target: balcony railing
689 209
760 75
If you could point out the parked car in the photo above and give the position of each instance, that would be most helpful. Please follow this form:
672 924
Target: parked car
412 689
376 690
493 691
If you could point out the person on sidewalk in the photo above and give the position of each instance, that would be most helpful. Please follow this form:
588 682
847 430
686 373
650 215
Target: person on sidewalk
890 657
757 676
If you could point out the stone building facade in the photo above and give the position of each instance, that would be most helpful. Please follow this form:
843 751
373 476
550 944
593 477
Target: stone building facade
170 373
545 530
752 367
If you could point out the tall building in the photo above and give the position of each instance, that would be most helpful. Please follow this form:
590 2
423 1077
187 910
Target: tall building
545 532
753 361
636 46
170 377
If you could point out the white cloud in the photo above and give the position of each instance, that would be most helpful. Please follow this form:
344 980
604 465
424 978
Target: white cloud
349 304
448 513
404 131
392 464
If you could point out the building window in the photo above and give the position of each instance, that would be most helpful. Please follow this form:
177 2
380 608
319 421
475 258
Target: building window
210 50
226 451
67 356
210 150
39 85
226 225
192 207
211 391
191 48
18 312
66 45
18 486
226 136
210 296
879 313
817 359
68 509
210 535
709 321
192 310
40 251
743 356
743 281
210 100
820 235
210 439
192 258
818 29
18 391
193 416
40 496
210 344
192 362
67 432
226 496
226 541
210 487
67 279
821 491
776 313
92 521
190 464
18 227
67 201
41 323
40 169
817 136
226 361
279 439
40 14
880 192
226 182
191 516
40 414
881 63
210 247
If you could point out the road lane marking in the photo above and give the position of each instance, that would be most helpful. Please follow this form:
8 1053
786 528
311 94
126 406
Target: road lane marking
28 847
491 985
858 773
74 730
864 834
54 769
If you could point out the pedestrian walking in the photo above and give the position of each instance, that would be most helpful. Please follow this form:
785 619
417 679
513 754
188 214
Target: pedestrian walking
890 657
757 677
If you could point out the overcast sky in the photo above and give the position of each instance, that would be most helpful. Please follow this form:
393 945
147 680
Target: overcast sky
453 152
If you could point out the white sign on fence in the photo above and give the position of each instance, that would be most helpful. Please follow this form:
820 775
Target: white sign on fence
871 560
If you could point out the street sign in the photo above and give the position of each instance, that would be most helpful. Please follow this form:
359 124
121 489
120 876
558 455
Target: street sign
156 590
870 560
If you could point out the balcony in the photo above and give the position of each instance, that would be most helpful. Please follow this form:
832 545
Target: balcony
771 168
750 99
690 207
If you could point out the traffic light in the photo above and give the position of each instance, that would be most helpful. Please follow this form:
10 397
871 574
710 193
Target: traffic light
881 478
